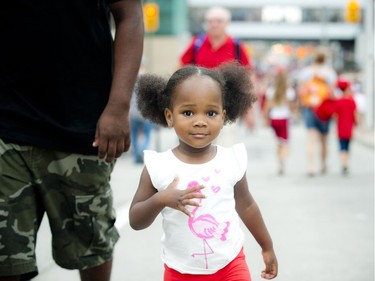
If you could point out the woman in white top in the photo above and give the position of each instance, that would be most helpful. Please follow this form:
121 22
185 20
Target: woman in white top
200 188
277 112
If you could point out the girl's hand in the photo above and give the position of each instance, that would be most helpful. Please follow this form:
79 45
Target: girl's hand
179 199
270 261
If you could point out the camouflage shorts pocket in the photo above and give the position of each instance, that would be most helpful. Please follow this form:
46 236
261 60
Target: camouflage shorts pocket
94 232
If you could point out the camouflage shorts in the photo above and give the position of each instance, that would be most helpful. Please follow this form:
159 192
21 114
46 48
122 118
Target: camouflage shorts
72 189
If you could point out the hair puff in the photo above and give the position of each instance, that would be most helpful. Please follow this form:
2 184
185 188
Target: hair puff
149 90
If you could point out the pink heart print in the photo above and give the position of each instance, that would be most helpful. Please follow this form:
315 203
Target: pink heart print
206 179
215 189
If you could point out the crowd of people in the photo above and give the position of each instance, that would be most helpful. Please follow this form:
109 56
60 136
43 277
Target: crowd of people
283 97
318 97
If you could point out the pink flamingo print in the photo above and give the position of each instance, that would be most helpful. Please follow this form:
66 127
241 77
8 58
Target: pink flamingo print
206 227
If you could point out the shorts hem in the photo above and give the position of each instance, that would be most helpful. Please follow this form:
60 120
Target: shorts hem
29 270
85 263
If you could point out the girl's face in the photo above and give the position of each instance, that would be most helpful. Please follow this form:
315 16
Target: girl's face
197 113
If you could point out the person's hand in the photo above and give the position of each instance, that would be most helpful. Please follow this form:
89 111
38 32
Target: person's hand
179 199
112 136
270 261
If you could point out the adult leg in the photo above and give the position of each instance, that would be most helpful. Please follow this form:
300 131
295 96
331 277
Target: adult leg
279 158
21 213
344 154
147 128
312 135
345 161
98 273
83 231
283 134
324 152
282 153
134 131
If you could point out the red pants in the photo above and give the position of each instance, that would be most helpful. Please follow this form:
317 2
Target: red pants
236 270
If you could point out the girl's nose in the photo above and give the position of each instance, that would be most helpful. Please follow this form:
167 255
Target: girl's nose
200 123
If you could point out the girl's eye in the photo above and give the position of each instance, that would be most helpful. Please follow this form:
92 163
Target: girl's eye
211 114
187 113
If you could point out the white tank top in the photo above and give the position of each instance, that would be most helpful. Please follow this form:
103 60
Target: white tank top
212 238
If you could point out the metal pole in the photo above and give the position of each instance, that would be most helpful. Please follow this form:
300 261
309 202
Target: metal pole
323 21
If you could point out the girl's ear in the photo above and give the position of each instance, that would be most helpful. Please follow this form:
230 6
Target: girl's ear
168 117
224 117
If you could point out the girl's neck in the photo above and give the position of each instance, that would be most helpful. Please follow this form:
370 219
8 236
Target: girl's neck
193 155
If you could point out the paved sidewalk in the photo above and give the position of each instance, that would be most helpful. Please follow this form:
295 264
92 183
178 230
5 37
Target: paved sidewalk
365 136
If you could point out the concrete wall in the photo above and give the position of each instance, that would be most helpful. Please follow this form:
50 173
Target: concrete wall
161 53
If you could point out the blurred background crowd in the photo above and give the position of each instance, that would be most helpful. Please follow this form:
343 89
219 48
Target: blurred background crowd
276 36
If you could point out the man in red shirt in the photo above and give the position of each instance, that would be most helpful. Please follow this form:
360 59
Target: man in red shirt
215 46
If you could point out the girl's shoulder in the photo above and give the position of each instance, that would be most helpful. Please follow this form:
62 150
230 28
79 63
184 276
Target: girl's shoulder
154 159
154 155
234 157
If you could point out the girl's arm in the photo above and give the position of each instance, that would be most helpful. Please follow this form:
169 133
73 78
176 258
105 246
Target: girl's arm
250 214
148 202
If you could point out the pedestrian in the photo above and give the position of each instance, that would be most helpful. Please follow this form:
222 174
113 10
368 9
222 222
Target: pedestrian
214 47
65 90
316 84
200 188
141 128
347 117
360 102
277 113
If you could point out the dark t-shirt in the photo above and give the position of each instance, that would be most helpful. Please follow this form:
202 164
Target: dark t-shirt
55 72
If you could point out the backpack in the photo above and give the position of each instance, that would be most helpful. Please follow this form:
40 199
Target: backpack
314 92
199 41
325 110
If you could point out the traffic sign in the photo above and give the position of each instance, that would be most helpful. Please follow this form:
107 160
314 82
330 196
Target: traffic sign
151 16
353 11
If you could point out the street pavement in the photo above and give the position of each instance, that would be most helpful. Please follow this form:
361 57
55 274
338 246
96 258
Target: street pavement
322 226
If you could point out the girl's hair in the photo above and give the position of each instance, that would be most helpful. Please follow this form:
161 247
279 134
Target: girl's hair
155 93
281 85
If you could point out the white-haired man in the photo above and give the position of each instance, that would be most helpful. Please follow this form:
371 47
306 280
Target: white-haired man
215 46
